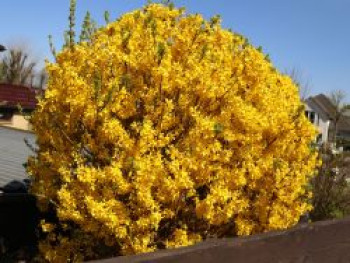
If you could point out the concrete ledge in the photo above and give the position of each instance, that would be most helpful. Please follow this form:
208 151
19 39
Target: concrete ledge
16 129
321 242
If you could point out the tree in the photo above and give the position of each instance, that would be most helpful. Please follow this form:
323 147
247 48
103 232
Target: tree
337 98
163 131
2 72
17 67
42 79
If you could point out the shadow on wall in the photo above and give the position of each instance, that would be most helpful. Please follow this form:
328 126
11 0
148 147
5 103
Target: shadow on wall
18 220
16 187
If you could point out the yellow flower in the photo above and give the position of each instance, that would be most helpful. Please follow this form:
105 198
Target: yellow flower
166 129
46 227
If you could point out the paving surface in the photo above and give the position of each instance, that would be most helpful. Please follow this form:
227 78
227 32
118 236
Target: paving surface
13 153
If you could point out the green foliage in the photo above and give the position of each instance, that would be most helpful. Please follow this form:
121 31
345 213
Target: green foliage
107 17
89 27
52 47
72 9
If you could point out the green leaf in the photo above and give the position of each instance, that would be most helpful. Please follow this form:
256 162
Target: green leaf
107 17
218 128
125 81
160 50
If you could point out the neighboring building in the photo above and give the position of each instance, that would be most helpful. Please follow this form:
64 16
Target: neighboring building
11 97
320 111
344 130
13 154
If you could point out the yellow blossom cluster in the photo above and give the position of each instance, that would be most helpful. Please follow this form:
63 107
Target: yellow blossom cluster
164 130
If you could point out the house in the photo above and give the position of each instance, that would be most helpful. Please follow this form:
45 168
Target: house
12 98
13 154
15 102
320 111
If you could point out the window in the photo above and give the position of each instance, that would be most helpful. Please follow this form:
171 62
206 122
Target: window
319 138
312 117
5 115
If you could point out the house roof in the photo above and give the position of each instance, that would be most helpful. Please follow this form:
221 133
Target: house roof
325 104
13 95
13 153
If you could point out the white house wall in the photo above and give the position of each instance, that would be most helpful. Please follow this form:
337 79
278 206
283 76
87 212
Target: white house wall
321 121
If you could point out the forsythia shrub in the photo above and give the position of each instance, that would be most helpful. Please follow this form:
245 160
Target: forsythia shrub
164 130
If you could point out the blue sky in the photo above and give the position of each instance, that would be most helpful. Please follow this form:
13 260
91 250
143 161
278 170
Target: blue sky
312 36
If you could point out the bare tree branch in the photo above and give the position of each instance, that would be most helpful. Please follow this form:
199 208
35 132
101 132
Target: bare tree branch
304 84
16 67
337 98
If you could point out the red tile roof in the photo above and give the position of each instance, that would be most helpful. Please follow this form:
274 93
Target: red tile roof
12 95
